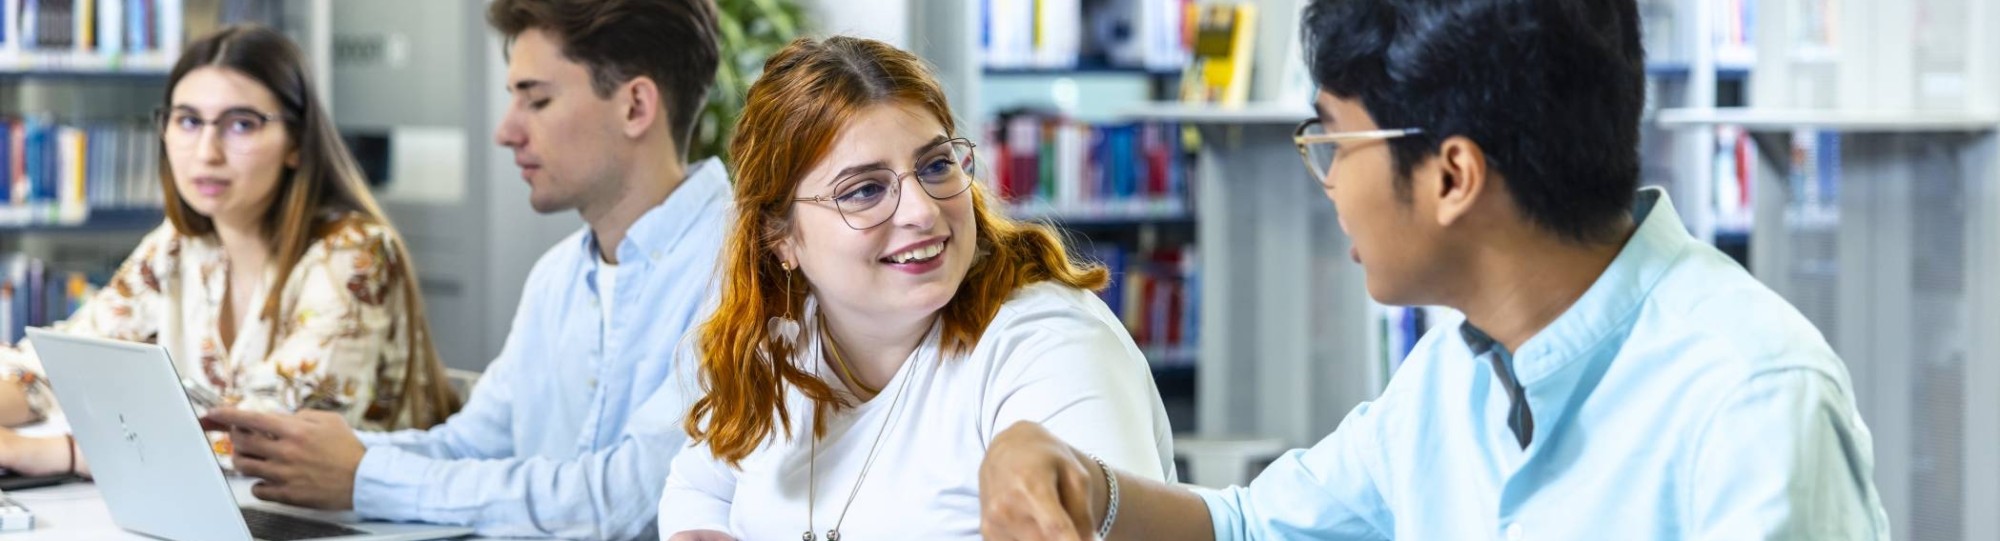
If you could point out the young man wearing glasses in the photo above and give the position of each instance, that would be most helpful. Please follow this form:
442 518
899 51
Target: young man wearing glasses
571 430
1613 377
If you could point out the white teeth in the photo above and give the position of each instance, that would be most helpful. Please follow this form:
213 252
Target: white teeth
919 254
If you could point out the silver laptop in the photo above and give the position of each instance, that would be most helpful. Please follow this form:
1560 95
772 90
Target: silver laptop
153 463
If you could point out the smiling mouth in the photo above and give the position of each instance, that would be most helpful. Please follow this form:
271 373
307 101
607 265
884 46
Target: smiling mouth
922 254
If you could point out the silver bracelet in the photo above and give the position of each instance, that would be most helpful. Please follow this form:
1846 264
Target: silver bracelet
1110 509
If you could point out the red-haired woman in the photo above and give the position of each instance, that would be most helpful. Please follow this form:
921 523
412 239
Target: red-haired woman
879 322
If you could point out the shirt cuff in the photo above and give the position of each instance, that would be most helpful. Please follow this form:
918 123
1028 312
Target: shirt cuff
1222 511
389 486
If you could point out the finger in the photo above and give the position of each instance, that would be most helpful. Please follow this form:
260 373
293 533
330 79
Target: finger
259 468
1015 523
271 492
1045 514
1076 499
315 417
247 442
253 420
996 517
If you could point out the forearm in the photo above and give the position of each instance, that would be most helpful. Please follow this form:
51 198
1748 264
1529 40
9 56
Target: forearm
1152 510
40 455
607 495
14 409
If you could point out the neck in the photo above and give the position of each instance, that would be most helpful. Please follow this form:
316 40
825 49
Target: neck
243 243
646 185
875 350
1519 287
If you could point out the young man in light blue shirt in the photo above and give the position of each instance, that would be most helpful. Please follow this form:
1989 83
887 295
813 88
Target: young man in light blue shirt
571 430
1612 378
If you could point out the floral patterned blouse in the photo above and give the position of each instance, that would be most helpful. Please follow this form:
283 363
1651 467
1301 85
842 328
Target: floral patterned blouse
338 347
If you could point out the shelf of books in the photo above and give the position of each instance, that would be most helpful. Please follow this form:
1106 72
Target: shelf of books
78 177
1076 175
1053 77
1052 168
91 37
1136 36
33 293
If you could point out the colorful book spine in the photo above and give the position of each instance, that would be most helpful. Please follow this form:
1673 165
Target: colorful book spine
1155 293
34 295
1045 159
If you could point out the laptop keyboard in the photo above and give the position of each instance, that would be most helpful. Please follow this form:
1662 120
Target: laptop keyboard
269 526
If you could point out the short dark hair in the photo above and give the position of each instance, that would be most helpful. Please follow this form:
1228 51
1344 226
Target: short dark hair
671 41
1551 90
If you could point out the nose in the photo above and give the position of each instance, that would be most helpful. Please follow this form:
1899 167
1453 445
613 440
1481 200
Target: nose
916 210
509 133
208 144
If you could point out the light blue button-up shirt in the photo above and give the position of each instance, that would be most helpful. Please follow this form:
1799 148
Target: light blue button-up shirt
1678 398
569 434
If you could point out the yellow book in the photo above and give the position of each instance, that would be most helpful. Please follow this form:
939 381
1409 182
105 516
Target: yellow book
86 25
1219 66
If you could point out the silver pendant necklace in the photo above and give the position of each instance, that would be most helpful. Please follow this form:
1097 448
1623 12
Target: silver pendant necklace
812 466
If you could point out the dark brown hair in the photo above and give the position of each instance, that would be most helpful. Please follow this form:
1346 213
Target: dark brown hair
671 42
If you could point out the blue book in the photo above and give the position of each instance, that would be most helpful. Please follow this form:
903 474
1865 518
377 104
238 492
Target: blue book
1113 258
1191 309
35 159
1126 153
6 159
1101 163
1829 167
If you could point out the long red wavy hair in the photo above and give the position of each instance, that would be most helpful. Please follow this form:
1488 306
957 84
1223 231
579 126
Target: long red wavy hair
808 92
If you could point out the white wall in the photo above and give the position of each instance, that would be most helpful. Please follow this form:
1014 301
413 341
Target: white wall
886 20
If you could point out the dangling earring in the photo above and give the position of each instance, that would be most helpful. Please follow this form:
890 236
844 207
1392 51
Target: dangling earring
784 327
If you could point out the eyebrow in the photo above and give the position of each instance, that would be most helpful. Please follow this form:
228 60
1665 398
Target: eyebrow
225 111
525 85
878 164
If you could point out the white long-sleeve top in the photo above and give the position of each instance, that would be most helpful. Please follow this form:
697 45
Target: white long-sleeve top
1053 354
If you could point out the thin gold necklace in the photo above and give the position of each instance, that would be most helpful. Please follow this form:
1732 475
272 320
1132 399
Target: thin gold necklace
834 348
812 468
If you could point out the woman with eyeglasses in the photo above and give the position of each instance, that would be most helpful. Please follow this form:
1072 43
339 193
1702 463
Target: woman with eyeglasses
276 283
879 322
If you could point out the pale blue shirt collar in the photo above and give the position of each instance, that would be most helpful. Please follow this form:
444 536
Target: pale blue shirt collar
1549 365
1605 308
664 225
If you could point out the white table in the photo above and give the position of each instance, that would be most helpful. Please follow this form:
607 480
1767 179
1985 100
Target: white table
76 512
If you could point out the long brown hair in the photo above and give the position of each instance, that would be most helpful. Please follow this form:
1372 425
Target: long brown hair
808 92
312 198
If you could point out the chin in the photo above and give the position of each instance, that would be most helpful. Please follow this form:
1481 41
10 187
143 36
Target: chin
929 297
205 210
549 205
1387 294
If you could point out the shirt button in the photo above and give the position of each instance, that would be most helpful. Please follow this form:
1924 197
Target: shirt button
1514 532
593 383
